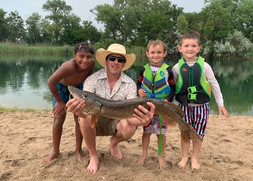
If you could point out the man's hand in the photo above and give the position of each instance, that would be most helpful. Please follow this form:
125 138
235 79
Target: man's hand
76 106
145 116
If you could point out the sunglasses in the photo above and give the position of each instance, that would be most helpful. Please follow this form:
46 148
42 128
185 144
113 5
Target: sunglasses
120 59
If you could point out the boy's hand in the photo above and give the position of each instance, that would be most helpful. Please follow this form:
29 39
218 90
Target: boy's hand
223 110
142 93
59 106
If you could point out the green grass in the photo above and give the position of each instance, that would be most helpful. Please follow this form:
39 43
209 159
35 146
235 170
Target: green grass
5 109
11 48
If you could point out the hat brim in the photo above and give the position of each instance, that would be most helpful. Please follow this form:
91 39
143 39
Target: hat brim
101 55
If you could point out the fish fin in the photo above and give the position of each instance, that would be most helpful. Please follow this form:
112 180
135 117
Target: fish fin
94 120
177 109
170 122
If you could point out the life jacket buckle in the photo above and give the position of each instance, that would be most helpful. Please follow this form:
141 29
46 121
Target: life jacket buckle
192 89
191 96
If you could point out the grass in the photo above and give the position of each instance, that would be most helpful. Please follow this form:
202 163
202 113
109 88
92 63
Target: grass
12 48
5 109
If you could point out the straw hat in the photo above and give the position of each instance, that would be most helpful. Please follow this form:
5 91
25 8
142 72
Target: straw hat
101 55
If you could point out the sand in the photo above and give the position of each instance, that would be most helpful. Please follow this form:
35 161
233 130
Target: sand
227 152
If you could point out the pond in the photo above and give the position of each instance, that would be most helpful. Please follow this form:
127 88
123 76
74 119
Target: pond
23 82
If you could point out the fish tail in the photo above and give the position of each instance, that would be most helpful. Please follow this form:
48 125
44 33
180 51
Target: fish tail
185 136
190 134
194 136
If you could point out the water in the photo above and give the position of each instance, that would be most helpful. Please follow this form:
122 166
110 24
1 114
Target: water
23 82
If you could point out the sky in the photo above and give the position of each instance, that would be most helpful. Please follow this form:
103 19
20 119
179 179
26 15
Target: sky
81 7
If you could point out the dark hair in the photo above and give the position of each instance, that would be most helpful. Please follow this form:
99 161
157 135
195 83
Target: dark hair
190 35
85 46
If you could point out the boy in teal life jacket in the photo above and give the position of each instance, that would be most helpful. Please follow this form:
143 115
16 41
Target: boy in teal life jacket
155 81
194 81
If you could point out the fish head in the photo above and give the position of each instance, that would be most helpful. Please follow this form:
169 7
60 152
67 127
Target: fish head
92 106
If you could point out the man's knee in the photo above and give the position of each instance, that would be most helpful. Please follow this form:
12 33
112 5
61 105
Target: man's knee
85 122
126 129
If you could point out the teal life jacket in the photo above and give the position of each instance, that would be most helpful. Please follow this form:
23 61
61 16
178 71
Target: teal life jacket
192 86
156 86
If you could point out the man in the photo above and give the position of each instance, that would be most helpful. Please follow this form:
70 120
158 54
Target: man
110 83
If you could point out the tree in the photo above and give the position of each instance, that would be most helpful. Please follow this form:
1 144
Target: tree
3 26
34 29
182 24
110 16
70 30
59 11
90 33
137 21
16 29
244 18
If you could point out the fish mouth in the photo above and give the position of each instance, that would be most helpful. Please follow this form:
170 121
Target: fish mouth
73 91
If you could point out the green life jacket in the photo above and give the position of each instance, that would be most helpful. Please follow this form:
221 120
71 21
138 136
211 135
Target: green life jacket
156 86
192 86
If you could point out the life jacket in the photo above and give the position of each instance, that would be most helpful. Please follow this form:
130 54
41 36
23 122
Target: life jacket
156 86
192 86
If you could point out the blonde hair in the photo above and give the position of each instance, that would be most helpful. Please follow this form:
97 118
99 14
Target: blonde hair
154 43
190 35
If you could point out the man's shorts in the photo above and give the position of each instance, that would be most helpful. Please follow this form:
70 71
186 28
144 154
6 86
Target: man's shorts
64 92
197 117
154 126
106 126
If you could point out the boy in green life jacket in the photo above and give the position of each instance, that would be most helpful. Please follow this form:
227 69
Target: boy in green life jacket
155 81
194 81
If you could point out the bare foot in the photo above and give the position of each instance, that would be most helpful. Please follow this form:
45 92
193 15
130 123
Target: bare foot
50 157
195 164
182 163
141 161
93 165
115 151
79 154
162 163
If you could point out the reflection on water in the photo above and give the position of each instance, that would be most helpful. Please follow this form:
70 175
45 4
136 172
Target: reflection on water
23 82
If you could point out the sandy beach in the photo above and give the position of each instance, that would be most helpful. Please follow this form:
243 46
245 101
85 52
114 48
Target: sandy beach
227 152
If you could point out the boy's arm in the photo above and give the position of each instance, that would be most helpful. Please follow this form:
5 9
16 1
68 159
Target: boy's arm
171 84
208 72
140 78
209 75
140 91
64 70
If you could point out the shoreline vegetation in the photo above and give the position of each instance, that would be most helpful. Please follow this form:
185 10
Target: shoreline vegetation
66 50
14 49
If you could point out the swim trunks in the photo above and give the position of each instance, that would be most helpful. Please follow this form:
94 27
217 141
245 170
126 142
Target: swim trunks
154 126
64 92
106 126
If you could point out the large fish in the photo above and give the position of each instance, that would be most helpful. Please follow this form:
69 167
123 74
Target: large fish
98 106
